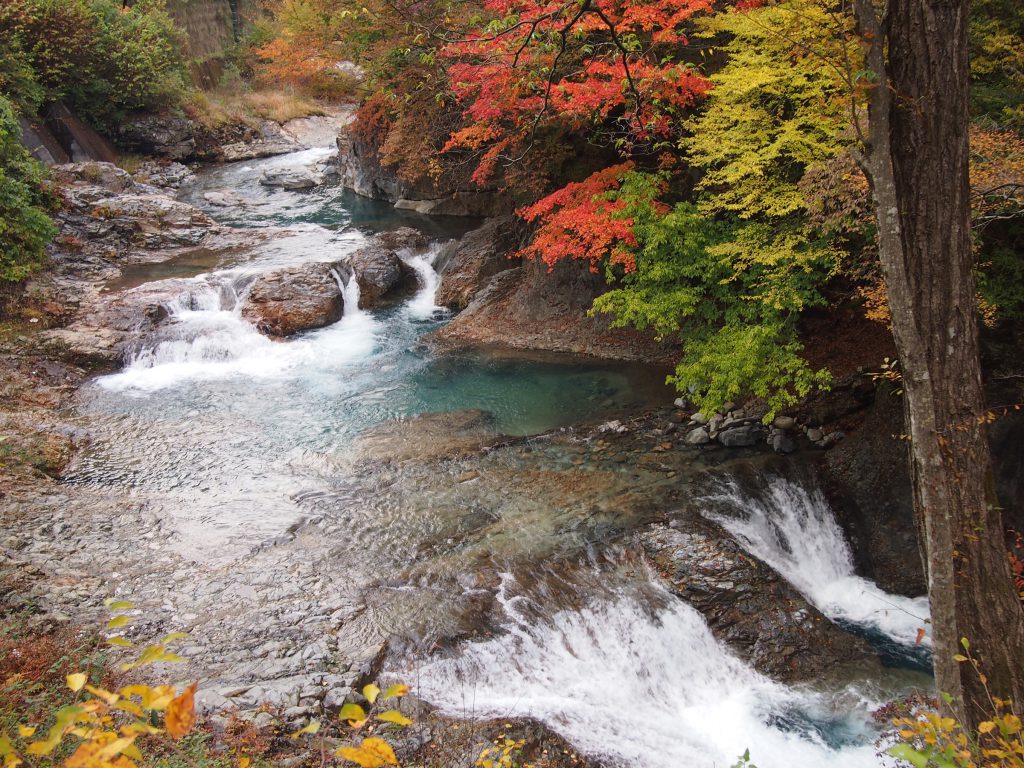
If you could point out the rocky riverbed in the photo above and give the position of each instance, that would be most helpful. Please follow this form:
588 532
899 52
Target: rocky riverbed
255 417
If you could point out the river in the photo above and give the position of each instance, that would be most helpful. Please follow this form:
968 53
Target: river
503 578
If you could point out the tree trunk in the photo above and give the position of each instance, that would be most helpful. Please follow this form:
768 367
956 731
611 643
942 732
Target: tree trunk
917 159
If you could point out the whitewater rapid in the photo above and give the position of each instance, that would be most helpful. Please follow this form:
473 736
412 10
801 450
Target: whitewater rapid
792 529
210 339
648 685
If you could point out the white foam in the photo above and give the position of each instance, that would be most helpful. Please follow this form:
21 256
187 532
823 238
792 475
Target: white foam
643 688
210 340
794 531
423 306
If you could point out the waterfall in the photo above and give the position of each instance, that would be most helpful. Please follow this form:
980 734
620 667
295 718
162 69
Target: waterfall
794 531
645 686
207 338
423 305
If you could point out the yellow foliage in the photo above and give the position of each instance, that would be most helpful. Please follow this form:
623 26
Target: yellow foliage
101 726
181 713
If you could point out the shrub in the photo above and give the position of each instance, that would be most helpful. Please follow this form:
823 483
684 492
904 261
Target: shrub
25 227
100 57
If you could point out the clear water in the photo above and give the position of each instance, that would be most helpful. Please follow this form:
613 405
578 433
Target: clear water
234 439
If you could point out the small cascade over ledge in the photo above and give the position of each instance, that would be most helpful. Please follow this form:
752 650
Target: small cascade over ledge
792 529
423 305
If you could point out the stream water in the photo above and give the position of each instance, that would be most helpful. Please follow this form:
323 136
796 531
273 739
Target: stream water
233 440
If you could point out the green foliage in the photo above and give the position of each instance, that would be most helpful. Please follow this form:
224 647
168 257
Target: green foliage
102 58
25 227
997 62
1001 271
732 273
736 318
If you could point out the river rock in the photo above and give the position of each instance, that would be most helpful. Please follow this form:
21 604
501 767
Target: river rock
380 272
697 436
746 604
537 308
781 441
286 301
291 178
272 140
225 198
784 422
740 437
107 331
468 264
164 174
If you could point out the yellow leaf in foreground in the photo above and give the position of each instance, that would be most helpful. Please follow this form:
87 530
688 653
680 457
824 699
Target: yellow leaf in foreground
354 714
371 692
394 716
372 753
181 713
76 681
396 691
311 727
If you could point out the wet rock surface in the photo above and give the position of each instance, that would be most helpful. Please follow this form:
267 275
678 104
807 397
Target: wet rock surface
470 263
286 301
528 307
746 604
110 220
379 269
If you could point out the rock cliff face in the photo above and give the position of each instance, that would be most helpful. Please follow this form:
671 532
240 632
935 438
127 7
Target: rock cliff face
527 305
868 479
360 170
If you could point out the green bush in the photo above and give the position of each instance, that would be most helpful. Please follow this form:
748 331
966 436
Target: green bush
101 58
25 227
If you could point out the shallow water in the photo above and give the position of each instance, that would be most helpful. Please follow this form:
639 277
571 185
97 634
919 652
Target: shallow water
234 440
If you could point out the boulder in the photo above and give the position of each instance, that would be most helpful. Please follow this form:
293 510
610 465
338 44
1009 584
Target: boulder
225 198
746 604
380 272
741 437
781 441
537 308
271 140
697 436
102 177
109 329
291 178
467 265
164 174
286 301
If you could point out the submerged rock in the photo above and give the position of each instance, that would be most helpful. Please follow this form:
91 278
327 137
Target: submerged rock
428 436
286 301
746 604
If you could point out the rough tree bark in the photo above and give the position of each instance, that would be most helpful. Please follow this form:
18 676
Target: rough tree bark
916 157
